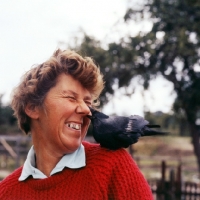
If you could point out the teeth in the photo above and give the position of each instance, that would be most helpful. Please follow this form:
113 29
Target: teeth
74 126
77 126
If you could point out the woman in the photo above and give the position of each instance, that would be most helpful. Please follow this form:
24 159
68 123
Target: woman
52 103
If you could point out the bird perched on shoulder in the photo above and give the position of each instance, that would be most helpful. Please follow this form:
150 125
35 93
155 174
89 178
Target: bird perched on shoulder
118 131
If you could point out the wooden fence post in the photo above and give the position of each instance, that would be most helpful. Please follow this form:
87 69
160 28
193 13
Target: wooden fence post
163 168
178 182
171 189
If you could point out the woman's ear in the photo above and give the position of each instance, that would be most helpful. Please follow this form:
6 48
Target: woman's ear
32 111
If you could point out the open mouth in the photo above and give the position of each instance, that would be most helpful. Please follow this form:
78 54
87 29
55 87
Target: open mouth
74 126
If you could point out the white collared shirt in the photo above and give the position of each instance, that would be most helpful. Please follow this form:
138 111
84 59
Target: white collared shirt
74 160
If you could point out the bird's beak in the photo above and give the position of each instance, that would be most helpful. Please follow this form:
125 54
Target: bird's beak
91 109
89 116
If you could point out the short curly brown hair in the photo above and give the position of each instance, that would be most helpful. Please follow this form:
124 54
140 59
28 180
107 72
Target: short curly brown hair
40 79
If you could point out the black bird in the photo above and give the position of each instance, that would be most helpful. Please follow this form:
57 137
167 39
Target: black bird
118 131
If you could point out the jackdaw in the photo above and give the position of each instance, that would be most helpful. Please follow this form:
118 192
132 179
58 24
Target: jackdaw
114 132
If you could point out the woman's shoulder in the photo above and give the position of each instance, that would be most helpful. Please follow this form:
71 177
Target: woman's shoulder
95 151
119 161
120 169
12 178
10 181
95 147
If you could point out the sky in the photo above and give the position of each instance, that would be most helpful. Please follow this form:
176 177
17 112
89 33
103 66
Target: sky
31 30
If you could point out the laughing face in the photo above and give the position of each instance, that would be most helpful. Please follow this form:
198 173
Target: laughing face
62 120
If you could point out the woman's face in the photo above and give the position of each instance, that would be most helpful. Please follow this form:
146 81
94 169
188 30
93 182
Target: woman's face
63 120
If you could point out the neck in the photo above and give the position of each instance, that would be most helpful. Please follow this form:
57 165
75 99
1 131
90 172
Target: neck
46 160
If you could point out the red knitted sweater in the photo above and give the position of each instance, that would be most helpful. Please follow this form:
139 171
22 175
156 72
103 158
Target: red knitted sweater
108 175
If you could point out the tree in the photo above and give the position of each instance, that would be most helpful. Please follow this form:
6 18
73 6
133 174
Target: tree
171 48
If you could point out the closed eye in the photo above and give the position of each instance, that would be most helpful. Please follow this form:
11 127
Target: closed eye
71 98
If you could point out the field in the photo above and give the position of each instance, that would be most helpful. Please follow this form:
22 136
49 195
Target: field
149 152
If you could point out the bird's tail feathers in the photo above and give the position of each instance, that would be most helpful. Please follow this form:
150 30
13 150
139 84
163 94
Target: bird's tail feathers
153 126
149 132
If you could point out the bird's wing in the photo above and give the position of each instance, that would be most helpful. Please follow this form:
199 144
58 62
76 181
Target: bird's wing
139 125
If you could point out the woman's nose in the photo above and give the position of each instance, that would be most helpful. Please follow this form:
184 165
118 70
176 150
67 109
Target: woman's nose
82 108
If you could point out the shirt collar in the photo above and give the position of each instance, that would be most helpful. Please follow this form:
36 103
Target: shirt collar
73 160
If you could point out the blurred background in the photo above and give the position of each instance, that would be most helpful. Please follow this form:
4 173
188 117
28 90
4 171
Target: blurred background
149 53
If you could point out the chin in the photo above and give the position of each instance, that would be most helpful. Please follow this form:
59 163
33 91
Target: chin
74 145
